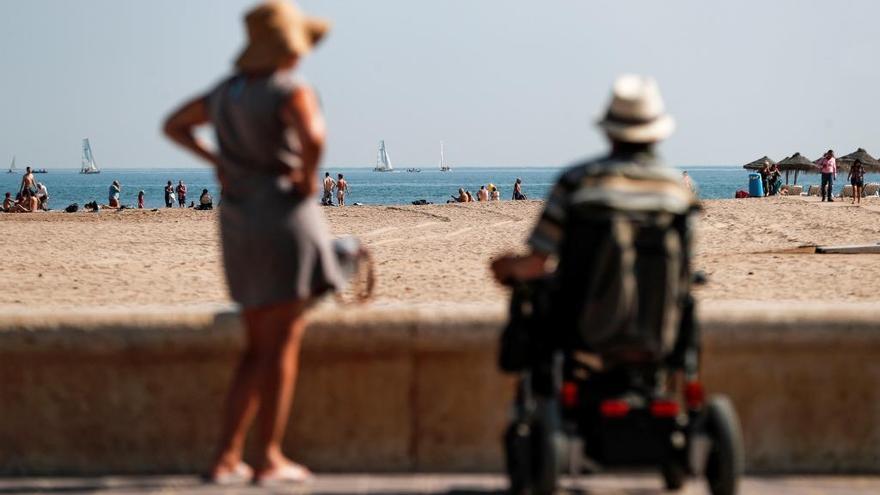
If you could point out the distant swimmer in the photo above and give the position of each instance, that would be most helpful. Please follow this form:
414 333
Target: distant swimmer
341 190
329 184
483 194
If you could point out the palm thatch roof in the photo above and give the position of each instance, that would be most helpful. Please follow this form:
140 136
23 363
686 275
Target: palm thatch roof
798 162
869 162
759 163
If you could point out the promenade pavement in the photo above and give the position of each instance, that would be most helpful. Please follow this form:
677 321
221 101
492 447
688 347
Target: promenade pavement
338 484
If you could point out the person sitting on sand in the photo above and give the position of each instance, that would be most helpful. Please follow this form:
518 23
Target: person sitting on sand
496 194
206 202
483 194
517 190
43 196
329 184
462 196
470 197
857 180
341 190
8 203
28 203
141 200
113 194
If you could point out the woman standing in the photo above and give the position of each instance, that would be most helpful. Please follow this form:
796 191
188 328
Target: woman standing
113 194
271 134
857 180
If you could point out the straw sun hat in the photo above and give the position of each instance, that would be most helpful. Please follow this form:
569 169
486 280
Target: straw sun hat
636 113
277 30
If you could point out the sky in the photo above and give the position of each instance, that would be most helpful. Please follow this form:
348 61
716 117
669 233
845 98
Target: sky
501 82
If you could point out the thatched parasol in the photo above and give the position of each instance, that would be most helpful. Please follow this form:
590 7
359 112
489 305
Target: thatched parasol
869 162
759 163
798 163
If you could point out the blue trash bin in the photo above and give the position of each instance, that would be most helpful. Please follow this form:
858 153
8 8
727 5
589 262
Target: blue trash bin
756 187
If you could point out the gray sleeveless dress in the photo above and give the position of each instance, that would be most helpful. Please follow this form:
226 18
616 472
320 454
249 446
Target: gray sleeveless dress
276 246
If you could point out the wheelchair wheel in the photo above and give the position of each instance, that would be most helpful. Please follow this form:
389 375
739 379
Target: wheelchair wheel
674 475
724 464
532 451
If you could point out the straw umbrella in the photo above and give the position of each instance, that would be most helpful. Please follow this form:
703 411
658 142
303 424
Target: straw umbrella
798 163
759 163
869 162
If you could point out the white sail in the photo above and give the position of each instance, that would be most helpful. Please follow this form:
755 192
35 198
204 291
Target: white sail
12 166
383 160
88 159
444 167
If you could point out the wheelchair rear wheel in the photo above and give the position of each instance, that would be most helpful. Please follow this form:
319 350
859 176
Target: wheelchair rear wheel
724 464
532 448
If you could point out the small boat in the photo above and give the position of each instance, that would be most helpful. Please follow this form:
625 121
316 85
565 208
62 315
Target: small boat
383 161
12 166
444 167
88 159
414 170
40 171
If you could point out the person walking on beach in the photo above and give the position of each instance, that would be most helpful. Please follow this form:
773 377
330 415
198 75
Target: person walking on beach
169 195
113 194
517 190
329 184
181 194
268 176
857 180
141 200
828 169
28 182
341 190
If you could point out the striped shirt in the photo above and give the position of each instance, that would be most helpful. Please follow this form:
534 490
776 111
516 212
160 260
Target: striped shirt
622 182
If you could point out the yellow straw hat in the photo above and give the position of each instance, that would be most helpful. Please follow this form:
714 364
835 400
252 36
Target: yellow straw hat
277 30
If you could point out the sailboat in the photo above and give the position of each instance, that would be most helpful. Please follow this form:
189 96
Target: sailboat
444 167
383 161
12 166
88 160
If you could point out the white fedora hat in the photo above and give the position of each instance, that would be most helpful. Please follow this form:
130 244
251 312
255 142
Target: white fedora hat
636 113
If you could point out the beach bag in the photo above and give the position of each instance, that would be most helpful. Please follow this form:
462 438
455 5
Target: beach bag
72 208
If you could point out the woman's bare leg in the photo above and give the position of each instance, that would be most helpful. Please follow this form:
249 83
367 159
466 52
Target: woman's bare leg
267 330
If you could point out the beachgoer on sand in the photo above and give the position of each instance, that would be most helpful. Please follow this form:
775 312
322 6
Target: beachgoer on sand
483 194
169 195
206 202
268 209
113 194
181 194
495 194
43 196
470 197
775 179
461 198
828 169
857 180
341 190
329 185
686 180
517 190
28 182
8 203
141 200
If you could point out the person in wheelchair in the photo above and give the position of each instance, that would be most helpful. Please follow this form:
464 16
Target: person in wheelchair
602 333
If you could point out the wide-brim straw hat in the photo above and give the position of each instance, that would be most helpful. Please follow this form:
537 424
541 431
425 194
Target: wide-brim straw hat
277 30
636 113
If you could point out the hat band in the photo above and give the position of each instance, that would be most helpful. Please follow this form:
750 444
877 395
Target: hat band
610 116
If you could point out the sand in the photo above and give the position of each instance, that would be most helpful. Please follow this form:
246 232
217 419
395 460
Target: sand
433 255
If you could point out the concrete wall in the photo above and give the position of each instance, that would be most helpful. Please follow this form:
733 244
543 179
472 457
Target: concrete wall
399 389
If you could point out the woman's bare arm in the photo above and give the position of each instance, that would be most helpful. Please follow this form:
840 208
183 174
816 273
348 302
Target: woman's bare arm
303 113
181 124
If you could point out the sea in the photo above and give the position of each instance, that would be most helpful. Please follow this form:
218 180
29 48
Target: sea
366 187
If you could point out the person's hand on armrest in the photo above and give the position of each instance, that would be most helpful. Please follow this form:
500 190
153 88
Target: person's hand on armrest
511 268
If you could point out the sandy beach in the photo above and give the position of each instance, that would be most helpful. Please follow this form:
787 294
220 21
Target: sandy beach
435 255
